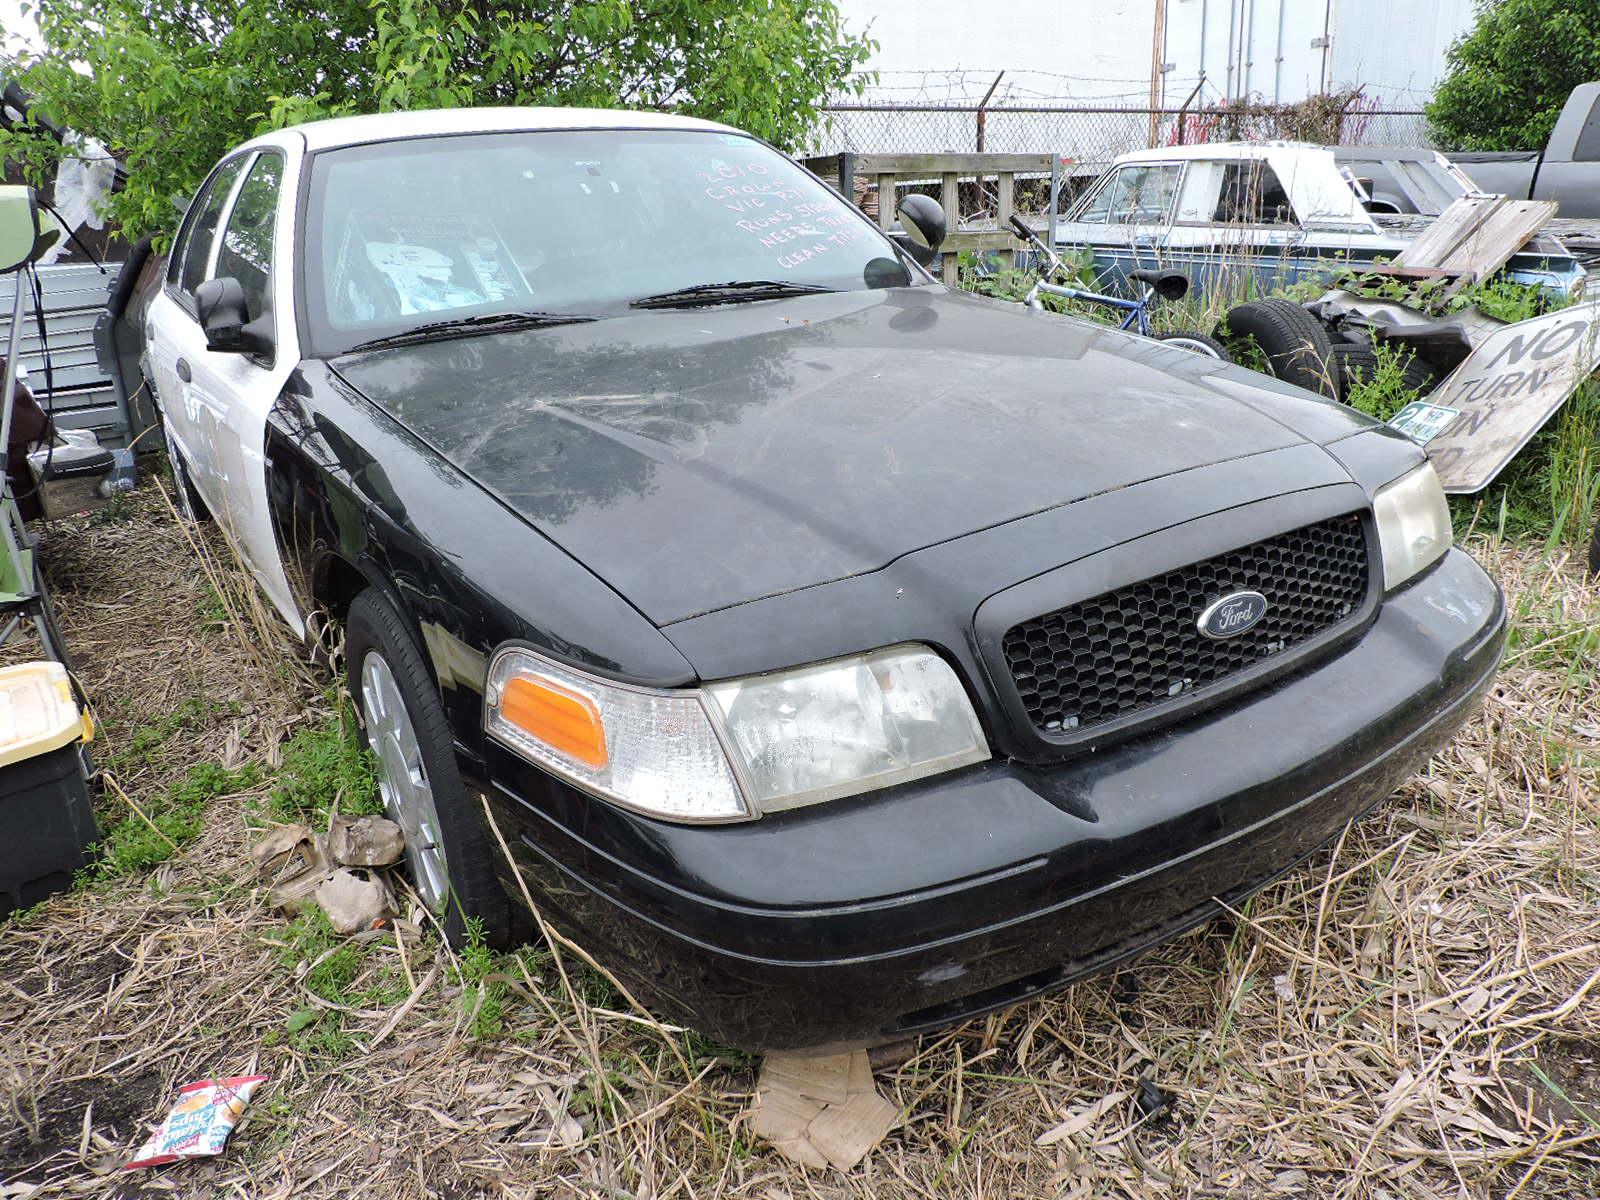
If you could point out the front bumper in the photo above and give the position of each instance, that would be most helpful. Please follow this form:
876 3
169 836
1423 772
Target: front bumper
884 915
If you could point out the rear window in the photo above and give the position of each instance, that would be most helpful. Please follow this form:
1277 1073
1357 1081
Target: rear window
1588 147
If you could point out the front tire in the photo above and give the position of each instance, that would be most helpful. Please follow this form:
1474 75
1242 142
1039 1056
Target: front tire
403 724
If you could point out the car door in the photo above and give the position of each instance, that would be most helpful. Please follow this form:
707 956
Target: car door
1141 208
172 332
1126 218
227 396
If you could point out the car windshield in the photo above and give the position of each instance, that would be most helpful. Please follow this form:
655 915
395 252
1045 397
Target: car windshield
428 230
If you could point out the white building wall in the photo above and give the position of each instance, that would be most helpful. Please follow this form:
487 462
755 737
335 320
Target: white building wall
1087 51
1286 50
1396 51
949 51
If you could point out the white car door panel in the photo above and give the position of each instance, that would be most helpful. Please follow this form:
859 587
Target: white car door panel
216 403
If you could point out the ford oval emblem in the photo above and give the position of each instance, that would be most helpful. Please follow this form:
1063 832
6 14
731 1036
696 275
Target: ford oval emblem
1232 614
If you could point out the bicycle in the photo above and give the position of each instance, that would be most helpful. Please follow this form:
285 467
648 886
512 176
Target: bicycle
1159 284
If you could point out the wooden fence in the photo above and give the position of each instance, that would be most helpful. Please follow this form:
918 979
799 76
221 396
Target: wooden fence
870 179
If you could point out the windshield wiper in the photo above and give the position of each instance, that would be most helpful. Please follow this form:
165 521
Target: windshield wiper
728 293
467 326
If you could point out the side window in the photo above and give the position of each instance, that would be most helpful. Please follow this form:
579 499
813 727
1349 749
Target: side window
1094 212
1252 195
1143 195
247 240
197 244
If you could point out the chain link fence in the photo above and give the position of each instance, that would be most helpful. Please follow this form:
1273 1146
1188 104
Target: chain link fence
1090 137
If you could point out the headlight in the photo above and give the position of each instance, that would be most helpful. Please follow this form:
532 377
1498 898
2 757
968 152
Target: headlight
735 749
838 728
1413 524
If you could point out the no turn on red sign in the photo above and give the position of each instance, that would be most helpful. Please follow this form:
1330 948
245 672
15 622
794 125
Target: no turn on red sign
1506 390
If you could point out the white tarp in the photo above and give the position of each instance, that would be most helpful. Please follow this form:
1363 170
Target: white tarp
83 183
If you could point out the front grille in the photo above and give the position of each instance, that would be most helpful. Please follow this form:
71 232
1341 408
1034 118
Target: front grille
1140 646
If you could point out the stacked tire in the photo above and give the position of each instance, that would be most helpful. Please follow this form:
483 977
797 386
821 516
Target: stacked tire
1359 363
1295 344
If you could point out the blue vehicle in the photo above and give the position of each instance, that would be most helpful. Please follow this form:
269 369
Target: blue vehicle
1250 218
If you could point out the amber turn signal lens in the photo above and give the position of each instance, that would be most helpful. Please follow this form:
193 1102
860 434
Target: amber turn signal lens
565 721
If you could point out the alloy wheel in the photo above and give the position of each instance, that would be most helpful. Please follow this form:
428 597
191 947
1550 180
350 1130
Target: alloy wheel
402 779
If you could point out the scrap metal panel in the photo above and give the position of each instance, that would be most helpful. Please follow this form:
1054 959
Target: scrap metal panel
83 396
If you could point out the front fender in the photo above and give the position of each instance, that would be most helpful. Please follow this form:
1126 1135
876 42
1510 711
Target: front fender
353 491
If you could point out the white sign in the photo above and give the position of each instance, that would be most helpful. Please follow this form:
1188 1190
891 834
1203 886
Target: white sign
1507 389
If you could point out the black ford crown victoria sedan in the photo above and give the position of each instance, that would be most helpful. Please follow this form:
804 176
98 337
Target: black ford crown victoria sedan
838 654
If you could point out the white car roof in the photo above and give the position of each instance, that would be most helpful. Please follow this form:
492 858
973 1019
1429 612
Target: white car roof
384 127
1222 151
1309 173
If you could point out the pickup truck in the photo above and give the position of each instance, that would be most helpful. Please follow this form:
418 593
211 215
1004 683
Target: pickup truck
1566 170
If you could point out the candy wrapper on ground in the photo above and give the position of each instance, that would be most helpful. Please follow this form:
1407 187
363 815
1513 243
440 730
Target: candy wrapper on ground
200 1122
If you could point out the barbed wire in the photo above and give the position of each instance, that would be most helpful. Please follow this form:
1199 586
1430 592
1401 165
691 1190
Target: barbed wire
1091 135
968 85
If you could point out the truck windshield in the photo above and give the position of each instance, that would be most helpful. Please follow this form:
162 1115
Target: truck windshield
431 229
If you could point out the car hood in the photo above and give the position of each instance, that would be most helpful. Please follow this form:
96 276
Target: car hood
701 458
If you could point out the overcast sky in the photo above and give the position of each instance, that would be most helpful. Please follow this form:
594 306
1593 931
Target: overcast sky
19 30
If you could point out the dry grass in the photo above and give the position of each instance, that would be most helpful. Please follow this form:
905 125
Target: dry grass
1415 1013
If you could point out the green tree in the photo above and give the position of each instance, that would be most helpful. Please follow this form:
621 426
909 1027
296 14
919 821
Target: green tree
1510 74
169 85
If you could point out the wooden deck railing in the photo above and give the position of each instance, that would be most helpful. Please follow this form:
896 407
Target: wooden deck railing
869 179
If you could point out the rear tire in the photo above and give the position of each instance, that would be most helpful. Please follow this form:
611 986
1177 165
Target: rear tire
1297 347
1360 364
1196 343
458 881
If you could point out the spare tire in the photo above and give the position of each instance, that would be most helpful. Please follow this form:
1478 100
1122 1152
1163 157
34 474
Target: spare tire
1297 347
1360 364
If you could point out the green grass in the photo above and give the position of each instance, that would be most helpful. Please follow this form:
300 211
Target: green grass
332 965
484 1000
118 510
132 844
339 970
1551 490
144 745
1386 392
1546 639
325 768
210 607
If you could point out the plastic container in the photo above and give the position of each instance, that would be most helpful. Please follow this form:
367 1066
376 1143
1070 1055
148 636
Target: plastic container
46 819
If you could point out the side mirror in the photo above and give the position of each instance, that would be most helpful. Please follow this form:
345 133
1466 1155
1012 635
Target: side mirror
26 230
225 317
922 218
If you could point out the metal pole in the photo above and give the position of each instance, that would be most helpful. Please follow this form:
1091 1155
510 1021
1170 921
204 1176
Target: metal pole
13 340
1183 112
983 104
1055 195
1233 7
1277 63
1327 41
